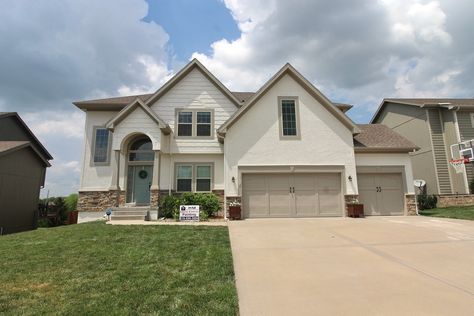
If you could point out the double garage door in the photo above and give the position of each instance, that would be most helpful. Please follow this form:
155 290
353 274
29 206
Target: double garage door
292 195
381 193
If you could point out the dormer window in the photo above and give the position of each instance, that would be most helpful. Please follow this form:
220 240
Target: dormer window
194 123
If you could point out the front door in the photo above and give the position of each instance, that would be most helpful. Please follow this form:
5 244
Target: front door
142 176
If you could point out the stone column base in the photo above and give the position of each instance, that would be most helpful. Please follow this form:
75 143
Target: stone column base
410 204
154 198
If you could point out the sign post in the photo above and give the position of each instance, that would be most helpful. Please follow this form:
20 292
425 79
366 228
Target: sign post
189 213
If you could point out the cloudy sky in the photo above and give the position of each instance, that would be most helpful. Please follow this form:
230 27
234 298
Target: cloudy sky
54 52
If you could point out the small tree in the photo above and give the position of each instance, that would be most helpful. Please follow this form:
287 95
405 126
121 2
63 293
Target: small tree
71 202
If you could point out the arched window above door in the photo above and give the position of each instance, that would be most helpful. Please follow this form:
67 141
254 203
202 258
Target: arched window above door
141 150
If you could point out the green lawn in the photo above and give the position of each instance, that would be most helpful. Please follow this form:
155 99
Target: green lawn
461 212
98 269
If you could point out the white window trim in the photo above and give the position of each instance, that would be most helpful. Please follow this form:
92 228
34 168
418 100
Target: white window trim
109 147
194 124
297 116
194 166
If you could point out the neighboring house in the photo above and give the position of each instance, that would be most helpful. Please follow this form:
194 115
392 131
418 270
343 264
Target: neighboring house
23 163
434 125
284 151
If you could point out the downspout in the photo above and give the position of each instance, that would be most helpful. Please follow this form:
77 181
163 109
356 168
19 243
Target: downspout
170 165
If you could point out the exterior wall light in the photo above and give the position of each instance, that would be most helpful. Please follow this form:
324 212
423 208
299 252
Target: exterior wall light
233 179
349 178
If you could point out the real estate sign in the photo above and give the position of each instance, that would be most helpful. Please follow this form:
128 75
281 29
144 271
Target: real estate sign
189 213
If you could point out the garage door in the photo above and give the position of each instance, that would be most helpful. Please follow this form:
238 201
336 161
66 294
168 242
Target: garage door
292 195
381 193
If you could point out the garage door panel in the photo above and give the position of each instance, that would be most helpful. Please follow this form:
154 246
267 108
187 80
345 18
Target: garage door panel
279 203
330 203
381 193
256 203
329 182
392 203
306 203
269 195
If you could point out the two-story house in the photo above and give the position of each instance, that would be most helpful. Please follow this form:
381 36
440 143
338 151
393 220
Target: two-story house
283 151
23 163
436 126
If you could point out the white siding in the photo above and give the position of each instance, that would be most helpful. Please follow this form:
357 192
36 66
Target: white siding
388 159
137 122
255 138
95 177
194 91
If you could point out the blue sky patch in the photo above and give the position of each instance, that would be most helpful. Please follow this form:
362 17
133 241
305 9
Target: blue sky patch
193 25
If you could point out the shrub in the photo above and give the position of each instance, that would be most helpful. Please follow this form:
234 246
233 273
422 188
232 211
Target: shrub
208 202
426 202
71 202
170 206
471 186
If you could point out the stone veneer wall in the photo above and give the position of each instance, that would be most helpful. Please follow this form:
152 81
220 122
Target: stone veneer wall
230 199
154 198
410 204
97 201
446 200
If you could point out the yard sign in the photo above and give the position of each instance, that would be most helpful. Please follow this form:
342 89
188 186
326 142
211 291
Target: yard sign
189 213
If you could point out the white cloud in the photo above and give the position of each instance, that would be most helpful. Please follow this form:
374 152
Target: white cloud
67 124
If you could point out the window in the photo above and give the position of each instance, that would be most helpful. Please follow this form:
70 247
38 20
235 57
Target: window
101 145
141 150
184 178
203 178
185 123
194 177
194 123
203 124
288 118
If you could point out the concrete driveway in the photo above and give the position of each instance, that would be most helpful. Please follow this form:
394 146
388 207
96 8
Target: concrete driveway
345 266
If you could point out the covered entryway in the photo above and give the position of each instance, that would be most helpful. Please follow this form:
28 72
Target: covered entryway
381 193
140 171
292 195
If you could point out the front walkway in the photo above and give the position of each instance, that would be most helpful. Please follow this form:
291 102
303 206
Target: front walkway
345 266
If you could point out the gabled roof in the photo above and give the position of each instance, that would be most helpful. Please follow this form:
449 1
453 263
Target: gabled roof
193 64
27 129
137 103
290 70
8 147
425 102
380 138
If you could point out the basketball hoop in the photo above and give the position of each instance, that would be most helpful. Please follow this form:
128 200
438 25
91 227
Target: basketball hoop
458 164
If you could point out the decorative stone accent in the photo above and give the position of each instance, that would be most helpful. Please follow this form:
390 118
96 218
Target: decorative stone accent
447 200
410 204
154 198
122 198
97 201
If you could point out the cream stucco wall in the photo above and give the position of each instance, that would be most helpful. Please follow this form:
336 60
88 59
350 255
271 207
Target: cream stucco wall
254 139
389 160
94 177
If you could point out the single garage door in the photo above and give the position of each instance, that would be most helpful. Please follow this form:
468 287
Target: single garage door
292 195
381 193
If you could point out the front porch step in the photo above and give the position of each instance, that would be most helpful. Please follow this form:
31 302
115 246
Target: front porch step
128 217
129 213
